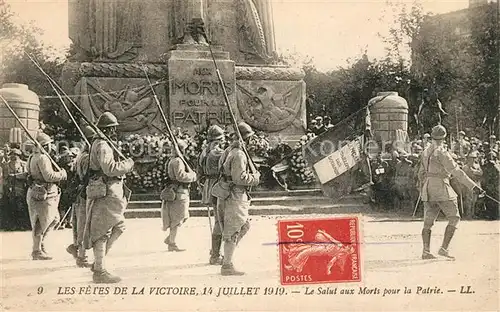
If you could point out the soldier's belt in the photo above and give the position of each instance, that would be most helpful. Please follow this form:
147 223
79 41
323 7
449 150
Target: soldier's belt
440 176
233 185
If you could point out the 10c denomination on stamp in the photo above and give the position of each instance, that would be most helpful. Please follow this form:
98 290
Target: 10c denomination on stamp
314 251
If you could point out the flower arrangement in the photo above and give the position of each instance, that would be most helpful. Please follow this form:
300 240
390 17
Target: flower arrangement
151 153
302 174
258 145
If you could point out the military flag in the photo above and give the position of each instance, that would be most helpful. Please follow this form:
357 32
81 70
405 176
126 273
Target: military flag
339 160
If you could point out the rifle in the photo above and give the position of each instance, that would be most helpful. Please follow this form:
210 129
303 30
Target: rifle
38 145
94 127
226 98
164 117
70 115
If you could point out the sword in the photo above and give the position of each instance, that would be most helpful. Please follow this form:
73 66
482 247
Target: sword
416 205
209 219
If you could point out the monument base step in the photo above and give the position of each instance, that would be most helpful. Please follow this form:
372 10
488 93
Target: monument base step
253 194
283 205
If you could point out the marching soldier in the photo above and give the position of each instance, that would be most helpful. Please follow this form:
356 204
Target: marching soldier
79 213
473 170
436 168
208 164
175 206
43 196
236 180
107 198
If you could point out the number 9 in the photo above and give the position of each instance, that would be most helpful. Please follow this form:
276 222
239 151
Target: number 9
40 290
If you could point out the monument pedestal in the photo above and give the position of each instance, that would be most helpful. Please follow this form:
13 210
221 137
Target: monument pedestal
196 97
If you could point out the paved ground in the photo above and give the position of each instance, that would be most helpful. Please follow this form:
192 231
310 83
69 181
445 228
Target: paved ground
390 253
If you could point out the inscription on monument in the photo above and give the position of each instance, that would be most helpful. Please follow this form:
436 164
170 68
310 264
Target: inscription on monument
196 96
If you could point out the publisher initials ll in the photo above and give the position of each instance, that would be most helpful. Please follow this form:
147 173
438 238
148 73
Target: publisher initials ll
466 290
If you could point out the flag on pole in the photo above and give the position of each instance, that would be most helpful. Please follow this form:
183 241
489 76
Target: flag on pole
338 160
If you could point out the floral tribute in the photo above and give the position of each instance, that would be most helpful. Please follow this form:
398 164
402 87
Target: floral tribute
151 154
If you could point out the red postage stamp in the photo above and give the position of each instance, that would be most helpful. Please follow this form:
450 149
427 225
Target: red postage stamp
314 251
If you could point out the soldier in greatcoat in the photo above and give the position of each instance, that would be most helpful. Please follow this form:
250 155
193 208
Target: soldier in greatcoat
175 210
79 213
236 178
43 196
436 168
209 168
107 198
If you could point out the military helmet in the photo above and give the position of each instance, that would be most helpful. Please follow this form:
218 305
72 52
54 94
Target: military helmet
44 139
215 133
88 132
426 135
438 132
462 132
107 120
245 130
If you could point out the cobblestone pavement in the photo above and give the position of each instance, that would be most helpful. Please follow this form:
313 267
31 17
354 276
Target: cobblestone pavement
390 256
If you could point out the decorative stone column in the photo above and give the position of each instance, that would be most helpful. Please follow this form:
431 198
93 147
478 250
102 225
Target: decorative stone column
25 104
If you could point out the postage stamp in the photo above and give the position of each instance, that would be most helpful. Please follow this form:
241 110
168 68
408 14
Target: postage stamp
313 251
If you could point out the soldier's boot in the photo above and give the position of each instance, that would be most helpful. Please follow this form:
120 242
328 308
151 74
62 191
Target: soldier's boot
426 239
448 235
215 258
227 268
72 250
172 246
101 276
45 235
104 277
42 248
82 262
116 232
38 253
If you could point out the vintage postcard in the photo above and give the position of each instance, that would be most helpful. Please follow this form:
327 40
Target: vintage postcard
249 155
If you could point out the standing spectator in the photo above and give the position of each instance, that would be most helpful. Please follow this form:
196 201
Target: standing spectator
403 183
320 127
328 123
312 126
473 171
461 148
14 212
426 141
490 182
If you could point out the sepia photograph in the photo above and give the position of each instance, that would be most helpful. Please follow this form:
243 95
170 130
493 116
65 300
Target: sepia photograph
249 155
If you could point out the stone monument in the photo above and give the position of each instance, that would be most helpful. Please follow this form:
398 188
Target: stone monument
114 42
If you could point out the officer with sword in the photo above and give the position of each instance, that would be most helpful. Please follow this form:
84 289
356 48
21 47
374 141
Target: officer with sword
436 168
